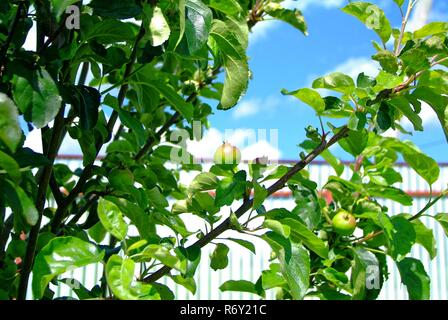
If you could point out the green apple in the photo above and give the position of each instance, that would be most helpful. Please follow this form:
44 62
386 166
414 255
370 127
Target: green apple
227 154
344 223
121 179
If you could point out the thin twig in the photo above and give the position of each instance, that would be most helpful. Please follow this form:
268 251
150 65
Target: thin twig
11 32
403 27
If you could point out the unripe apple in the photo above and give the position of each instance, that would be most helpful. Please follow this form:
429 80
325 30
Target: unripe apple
121 179
227 154
344 223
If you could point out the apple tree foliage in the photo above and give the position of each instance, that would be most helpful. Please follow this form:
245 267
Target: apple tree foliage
136 71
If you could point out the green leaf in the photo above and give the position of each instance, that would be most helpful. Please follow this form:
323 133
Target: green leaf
60 255
234 60
239 285
187 283
229 7
10 132
387 60
402 238
110 31
402 104
234 223
219 258
363 274
164 291
58 7
134 124
240 30
10 166
385 116
438 102
278 242
386 80
117 9
430 29
334 162
425 166
310 97
78 288
293 17
120 279
157 198
414 60
391 193
112 219
86 102
425 237
260 194
38 98
372 16
203 182
336 81
136 245
399 2
277 227
190 258
97 232
229 189
442 218
157 28
20 203
244 243
415 278
137 216
163 254
338 278
121 146
355 142
302 233
144 80
198 22
271 279
307 206
296 270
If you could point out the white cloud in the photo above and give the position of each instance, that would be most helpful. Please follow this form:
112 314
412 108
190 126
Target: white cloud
261 30
252 143
354 66
305 4
253 106
428 115
420 15
261 149
391 133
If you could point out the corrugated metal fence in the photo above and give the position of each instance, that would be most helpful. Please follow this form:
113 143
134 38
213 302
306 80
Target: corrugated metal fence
245 265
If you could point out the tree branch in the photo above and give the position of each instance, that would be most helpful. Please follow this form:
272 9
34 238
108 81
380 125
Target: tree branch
40 204
247 204
8 40
61 210
403 26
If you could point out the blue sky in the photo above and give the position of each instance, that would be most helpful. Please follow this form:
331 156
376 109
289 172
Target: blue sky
281 57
